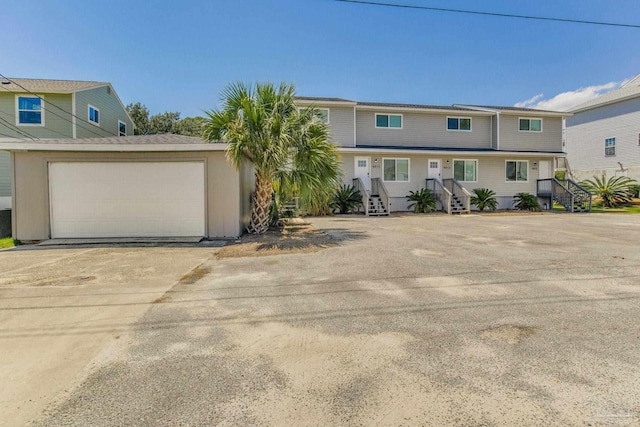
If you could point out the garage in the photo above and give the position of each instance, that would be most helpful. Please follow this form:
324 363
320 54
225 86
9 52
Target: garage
126 199
144 186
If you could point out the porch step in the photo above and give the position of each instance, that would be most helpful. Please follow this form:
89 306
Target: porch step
376 207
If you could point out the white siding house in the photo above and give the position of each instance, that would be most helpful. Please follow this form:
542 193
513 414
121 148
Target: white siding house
603 135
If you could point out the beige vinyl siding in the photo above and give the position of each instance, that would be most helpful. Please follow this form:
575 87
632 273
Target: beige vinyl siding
587 131
423 130
31 202
511 138
110 112
490 174
341 125
5 174
57 122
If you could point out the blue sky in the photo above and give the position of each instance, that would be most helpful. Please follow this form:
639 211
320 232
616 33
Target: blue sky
177 56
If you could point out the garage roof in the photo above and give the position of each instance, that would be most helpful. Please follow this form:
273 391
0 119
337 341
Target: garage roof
164 142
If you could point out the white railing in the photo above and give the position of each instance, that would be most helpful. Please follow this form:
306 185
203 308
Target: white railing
443 195
459 191
364 193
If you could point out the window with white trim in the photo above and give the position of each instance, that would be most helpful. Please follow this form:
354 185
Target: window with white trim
465 170
122 128
530 125
30 111
94 115
395 170
516 170
390 121
610 147
459 123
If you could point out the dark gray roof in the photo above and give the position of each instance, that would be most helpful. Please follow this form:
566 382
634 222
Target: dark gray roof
321 99
502 108
420 106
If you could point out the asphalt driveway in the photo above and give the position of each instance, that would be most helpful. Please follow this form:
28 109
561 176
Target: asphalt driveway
408 320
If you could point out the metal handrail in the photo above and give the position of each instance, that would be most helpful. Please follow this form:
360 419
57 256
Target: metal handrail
443 195
382 192
459 191
364 193
564 191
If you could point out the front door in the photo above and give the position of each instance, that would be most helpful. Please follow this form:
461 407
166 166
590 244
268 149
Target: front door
435 169
544 169
362 170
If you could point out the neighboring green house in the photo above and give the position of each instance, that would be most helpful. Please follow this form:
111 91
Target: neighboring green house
36 109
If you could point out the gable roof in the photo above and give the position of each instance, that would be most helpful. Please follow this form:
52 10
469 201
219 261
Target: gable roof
47 86
629 90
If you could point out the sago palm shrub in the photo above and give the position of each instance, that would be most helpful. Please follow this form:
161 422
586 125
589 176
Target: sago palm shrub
422 201
346 199
612 191
483 198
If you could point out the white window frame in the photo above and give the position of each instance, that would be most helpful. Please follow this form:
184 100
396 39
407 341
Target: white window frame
89 107
531 118
516 180
375 121
328 110
614 146
458 119
120 122
395 159
28 95
453 168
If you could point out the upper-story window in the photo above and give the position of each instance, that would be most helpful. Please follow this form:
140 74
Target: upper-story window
94 115
610 147
459 123
30 111
323 115
122 128
530 125
391 121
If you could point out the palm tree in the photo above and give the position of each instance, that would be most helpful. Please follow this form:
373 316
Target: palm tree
289 149
612 191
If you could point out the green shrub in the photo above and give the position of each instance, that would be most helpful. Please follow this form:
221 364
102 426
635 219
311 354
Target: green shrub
423 201
612 191
484 198
526 202
346 199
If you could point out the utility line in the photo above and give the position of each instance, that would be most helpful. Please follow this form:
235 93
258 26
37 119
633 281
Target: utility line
53 105
16 129
66 136
476 12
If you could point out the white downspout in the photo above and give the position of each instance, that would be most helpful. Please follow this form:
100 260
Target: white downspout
497 130
73 115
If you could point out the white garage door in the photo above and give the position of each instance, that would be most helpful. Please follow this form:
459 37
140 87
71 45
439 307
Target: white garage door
127 199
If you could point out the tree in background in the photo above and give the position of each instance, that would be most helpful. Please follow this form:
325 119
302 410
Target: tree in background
140 116
167 122
289 148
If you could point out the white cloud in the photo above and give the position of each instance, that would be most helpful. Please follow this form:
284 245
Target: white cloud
566 100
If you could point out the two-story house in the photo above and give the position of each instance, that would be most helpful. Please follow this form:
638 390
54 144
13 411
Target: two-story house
389 150
34 109
603 135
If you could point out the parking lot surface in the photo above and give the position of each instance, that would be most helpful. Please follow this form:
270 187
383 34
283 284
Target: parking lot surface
410 320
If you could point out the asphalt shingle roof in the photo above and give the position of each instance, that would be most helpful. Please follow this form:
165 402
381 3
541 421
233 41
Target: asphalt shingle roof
166 138
46 86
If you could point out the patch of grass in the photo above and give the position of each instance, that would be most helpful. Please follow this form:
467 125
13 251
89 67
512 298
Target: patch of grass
7 242
619 209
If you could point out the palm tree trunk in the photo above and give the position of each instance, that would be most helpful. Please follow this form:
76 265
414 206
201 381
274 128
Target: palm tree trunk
259 222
